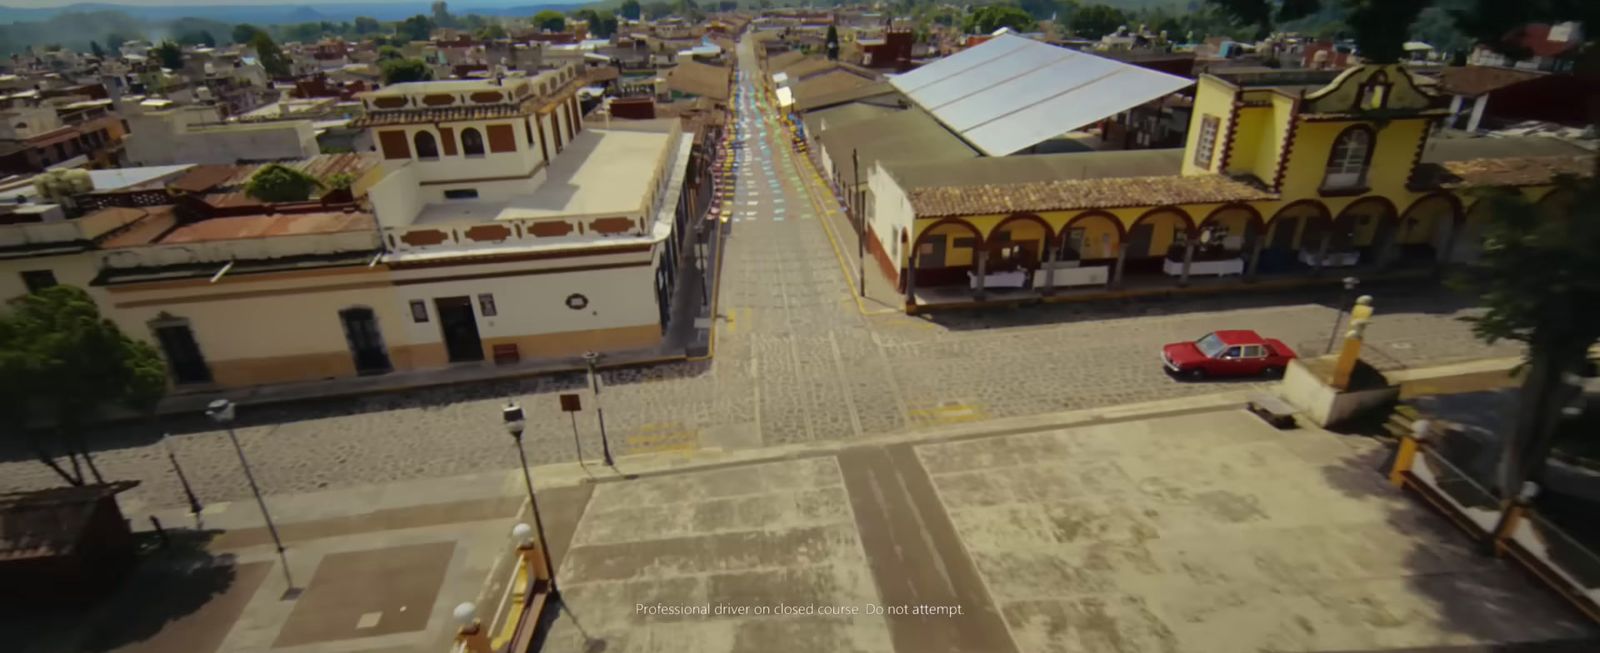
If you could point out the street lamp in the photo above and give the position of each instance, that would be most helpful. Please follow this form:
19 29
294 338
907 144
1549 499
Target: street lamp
221 411
593 359
1350 284
511 415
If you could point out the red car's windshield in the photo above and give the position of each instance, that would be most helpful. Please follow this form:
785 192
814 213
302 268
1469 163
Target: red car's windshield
1210 345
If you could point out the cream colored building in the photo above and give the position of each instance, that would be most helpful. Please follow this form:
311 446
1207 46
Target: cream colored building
518 235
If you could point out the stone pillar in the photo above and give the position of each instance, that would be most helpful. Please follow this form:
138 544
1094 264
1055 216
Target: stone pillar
1322 251
983 264
1116 273
911 281
1188 259
1477 112
1455 111
1049 271
1255 258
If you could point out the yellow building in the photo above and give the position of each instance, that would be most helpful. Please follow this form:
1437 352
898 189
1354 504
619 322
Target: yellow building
1283 176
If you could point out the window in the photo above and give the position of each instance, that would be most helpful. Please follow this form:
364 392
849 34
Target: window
471 142
1207 142
461 194
486 305
1233 352
37 280
1254 351
1347 163
427 147
419 311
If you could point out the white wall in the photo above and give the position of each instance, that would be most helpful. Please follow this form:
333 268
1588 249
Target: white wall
163 139
396 199
76 269
891 211
460 166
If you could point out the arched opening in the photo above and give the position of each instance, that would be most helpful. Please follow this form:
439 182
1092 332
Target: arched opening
427 147
1474 228
1425 232
1090 239
1017 244
1294 229
1364 233
1155 237
471 142
1226 240
945 253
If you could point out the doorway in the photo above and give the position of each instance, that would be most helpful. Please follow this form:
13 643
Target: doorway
1139 240
460 329
366 342
182 353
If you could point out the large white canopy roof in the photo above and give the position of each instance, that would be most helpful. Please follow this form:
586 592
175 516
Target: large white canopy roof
1011 92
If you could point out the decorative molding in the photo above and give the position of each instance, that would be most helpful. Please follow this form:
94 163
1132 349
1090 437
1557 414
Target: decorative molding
1286 149
1233 132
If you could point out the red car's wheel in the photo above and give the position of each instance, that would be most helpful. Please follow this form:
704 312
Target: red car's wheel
1194 373
1272 372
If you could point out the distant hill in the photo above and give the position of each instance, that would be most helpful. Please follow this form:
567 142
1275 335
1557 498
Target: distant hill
285 13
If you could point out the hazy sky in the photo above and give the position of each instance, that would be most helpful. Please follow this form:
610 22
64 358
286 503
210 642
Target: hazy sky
165 3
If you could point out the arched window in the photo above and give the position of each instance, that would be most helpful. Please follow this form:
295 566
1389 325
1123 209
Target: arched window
471 142
427 148
1349 160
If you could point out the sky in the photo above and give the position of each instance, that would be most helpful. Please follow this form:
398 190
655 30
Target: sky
35 4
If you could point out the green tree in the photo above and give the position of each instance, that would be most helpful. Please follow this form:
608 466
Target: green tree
657 9
441 14
1095 21
61 363
1265 14
245 33
989 18
114 42
366 25
94 48
550 20
396 71
415 28
833 43
1539 274
602 24
388 52
169 54
279 183
271 57
490 32
1382 27
629 9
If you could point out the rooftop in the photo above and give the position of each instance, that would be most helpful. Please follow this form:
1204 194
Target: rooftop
1039 168
602 172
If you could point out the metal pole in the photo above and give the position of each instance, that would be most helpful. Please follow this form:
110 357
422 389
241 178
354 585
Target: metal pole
1344 296
600 412
538 524
251 478
576 443
861 221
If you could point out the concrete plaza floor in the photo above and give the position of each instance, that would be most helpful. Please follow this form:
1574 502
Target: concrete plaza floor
1173 526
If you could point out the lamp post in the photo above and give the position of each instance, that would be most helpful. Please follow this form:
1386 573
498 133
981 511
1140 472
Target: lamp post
514 423
593 360
222 412
1350 284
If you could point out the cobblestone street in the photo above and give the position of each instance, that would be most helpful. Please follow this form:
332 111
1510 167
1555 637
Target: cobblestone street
795 360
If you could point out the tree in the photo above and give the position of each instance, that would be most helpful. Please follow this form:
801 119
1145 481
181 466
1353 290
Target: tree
62 363
490 32
279 183
94 48
1095 21
1043 9
602 24
169 54
245 33
387 52
396 71
1538 273
366 25
441 14
272 59
629 9
833 43
550 20
1382 27
1264 14
657 9
990 18
415 28
114 42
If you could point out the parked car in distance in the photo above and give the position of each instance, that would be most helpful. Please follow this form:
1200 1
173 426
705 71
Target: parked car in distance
1227 353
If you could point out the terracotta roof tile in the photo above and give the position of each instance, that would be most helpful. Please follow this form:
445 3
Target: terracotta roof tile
1509 171
1473 81
1066 195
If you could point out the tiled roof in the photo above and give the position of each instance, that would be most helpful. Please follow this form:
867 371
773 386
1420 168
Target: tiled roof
704 80
266 226
1473 81
1509 171
1077 194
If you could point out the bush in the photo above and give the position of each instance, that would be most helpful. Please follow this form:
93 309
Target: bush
279 183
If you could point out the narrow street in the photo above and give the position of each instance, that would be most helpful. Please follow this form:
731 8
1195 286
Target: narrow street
796 359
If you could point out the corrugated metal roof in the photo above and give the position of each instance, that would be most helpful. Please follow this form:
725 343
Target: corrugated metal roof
1011 92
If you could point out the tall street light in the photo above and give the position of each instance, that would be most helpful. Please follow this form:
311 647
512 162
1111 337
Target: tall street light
222 411
1350 284
515 424
593 359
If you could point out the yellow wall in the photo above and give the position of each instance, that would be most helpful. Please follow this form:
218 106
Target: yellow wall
1214 97
1397 143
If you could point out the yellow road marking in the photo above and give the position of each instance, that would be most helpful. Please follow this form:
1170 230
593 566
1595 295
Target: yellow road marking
949 412
822 217
732 320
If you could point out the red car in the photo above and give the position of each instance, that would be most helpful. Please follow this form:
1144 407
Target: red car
1227 353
